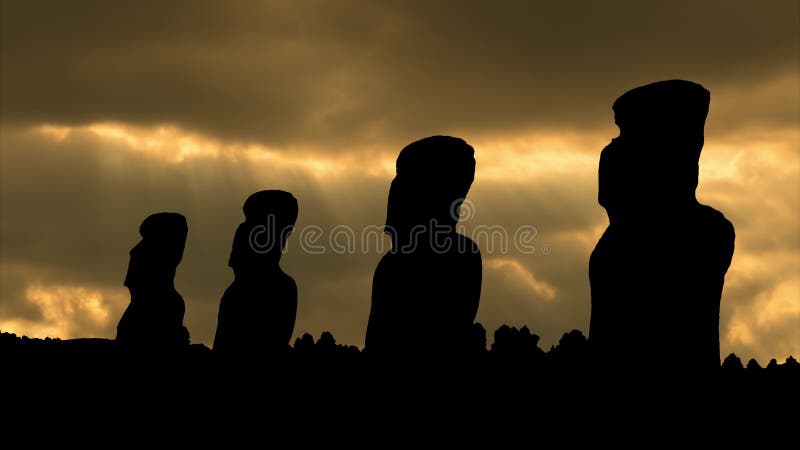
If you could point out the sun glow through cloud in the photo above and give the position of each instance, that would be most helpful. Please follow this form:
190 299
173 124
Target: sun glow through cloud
175 145
518 158
516 271
68 311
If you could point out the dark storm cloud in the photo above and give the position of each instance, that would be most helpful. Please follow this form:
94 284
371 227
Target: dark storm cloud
367 72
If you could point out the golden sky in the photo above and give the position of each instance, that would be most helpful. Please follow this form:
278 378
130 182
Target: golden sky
112 111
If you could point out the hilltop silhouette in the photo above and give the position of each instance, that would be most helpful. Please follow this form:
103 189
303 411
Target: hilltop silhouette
519 346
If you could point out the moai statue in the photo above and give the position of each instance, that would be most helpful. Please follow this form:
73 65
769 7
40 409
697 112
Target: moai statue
658 270
425 291
258 310
154 318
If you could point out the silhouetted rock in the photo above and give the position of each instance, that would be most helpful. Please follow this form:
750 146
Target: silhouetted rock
426 290
326 344
154 318
658 270
8 340
732 362
258 310
325 347
326 340
791 363
510 342
304 344
10 344
572 351
773 364
753 364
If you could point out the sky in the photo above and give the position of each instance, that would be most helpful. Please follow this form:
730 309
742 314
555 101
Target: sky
111 111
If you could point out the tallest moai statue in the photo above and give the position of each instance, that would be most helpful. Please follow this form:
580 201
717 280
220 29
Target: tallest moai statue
658 270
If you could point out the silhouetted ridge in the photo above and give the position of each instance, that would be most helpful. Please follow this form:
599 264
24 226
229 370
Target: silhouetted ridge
732 362
791 363
753 364
511 342
571 352
520 346
325 346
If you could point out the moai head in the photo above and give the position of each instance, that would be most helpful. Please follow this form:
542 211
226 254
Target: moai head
433 177
654 161
154 260
269 220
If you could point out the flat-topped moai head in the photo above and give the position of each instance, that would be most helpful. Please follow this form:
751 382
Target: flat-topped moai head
433 177
260 240
154 260
653 164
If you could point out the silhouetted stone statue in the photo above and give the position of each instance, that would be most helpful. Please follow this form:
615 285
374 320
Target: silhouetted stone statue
258 310
425 291
658 270
154 318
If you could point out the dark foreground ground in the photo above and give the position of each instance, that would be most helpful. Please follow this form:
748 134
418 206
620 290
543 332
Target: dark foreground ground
320 390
